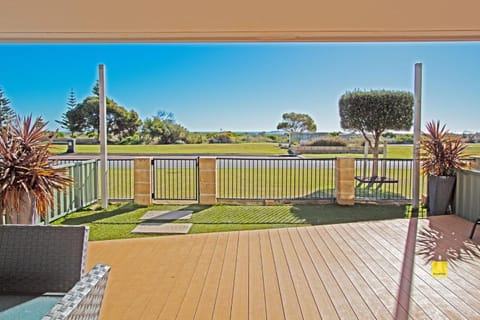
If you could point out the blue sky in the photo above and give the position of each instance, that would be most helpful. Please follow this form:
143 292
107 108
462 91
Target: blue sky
243 87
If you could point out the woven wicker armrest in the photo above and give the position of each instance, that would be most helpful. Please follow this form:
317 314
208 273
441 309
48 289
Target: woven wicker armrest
35 259
84 300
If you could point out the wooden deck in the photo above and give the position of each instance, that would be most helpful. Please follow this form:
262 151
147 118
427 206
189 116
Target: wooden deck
368 270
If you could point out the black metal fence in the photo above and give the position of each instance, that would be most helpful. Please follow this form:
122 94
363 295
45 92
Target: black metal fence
385 179
120 179
175 179
275 179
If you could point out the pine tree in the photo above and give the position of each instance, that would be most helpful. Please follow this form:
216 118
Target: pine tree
72 100
6 112
96 89
66 121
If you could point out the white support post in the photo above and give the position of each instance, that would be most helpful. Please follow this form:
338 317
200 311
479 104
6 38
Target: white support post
103 135
416 137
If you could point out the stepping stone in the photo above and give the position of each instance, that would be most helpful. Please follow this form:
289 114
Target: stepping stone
167 228
168 215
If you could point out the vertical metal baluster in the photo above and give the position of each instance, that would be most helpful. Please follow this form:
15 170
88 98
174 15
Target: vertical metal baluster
185 169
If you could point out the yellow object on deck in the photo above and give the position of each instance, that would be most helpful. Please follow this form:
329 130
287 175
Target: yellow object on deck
440 269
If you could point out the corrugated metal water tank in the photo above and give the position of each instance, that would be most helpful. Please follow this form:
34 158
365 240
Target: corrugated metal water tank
467 195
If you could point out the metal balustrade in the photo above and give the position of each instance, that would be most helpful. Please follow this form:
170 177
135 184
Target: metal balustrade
275 179
385 179
175 179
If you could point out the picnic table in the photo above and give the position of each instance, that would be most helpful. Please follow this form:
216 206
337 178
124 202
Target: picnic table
379 180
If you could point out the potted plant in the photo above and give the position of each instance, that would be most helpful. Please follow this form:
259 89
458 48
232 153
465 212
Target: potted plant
442 155
28 180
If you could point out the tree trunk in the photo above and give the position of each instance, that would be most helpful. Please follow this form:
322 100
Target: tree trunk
375 158
25 214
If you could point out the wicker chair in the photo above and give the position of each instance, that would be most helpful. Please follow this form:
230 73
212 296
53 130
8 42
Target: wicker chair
38 259
84 300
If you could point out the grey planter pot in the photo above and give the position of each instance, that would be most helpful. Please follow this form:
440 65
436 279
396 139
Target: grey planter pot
440 194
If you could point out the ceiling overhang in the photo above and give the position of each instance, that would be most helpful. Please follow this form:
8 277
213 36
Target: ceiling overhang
238 21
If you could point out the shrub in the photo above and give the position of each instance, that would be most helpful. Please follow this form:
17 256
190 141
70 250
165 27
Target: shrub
221 138
131 140
194 138
403 139
327 142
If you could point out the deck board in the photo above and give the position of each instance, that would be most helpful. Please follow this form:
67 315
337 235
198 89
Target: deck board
320 294
273 300
240 287
379 279
223 301
305 299
342 307
365 286
183 279
422 282
194 291
205 307
353 296
394 268
256 298
289 296
365 270
450 302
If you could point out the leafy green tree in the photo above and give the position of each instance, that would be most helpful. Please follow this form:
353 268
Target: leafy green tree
297 122
84 118
372 112
120 122
162 129
7 114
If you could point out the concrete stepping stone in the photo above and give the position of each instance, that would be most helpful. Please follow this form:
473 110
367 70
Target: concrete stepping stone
165 228
168 215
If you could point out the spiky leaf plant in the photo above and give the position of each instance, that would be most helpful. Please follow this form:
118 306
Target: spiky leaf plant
25 168
442 153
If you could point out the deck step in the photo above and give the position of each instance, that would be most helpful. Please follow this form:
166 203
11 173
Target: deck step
168 215
163 228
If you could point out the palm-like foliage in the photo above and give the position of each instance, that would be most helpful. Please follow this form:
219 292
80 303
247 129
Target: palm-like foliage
25 167
442 153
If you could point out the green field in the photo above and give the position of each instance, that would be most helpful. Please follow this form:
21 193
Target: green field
118 220
393 151
204 149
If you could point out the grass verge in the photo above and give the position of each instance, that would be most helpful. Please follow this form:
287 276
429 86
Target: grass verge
193 149
393 151
119 219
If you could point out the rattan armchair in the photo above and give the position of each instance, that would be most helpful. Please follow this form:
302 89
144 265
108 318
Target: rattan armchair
35 260
84 300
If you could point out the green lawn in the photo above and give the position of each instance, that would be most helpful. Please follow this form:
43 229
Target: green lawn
119 219
213 149
393 151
